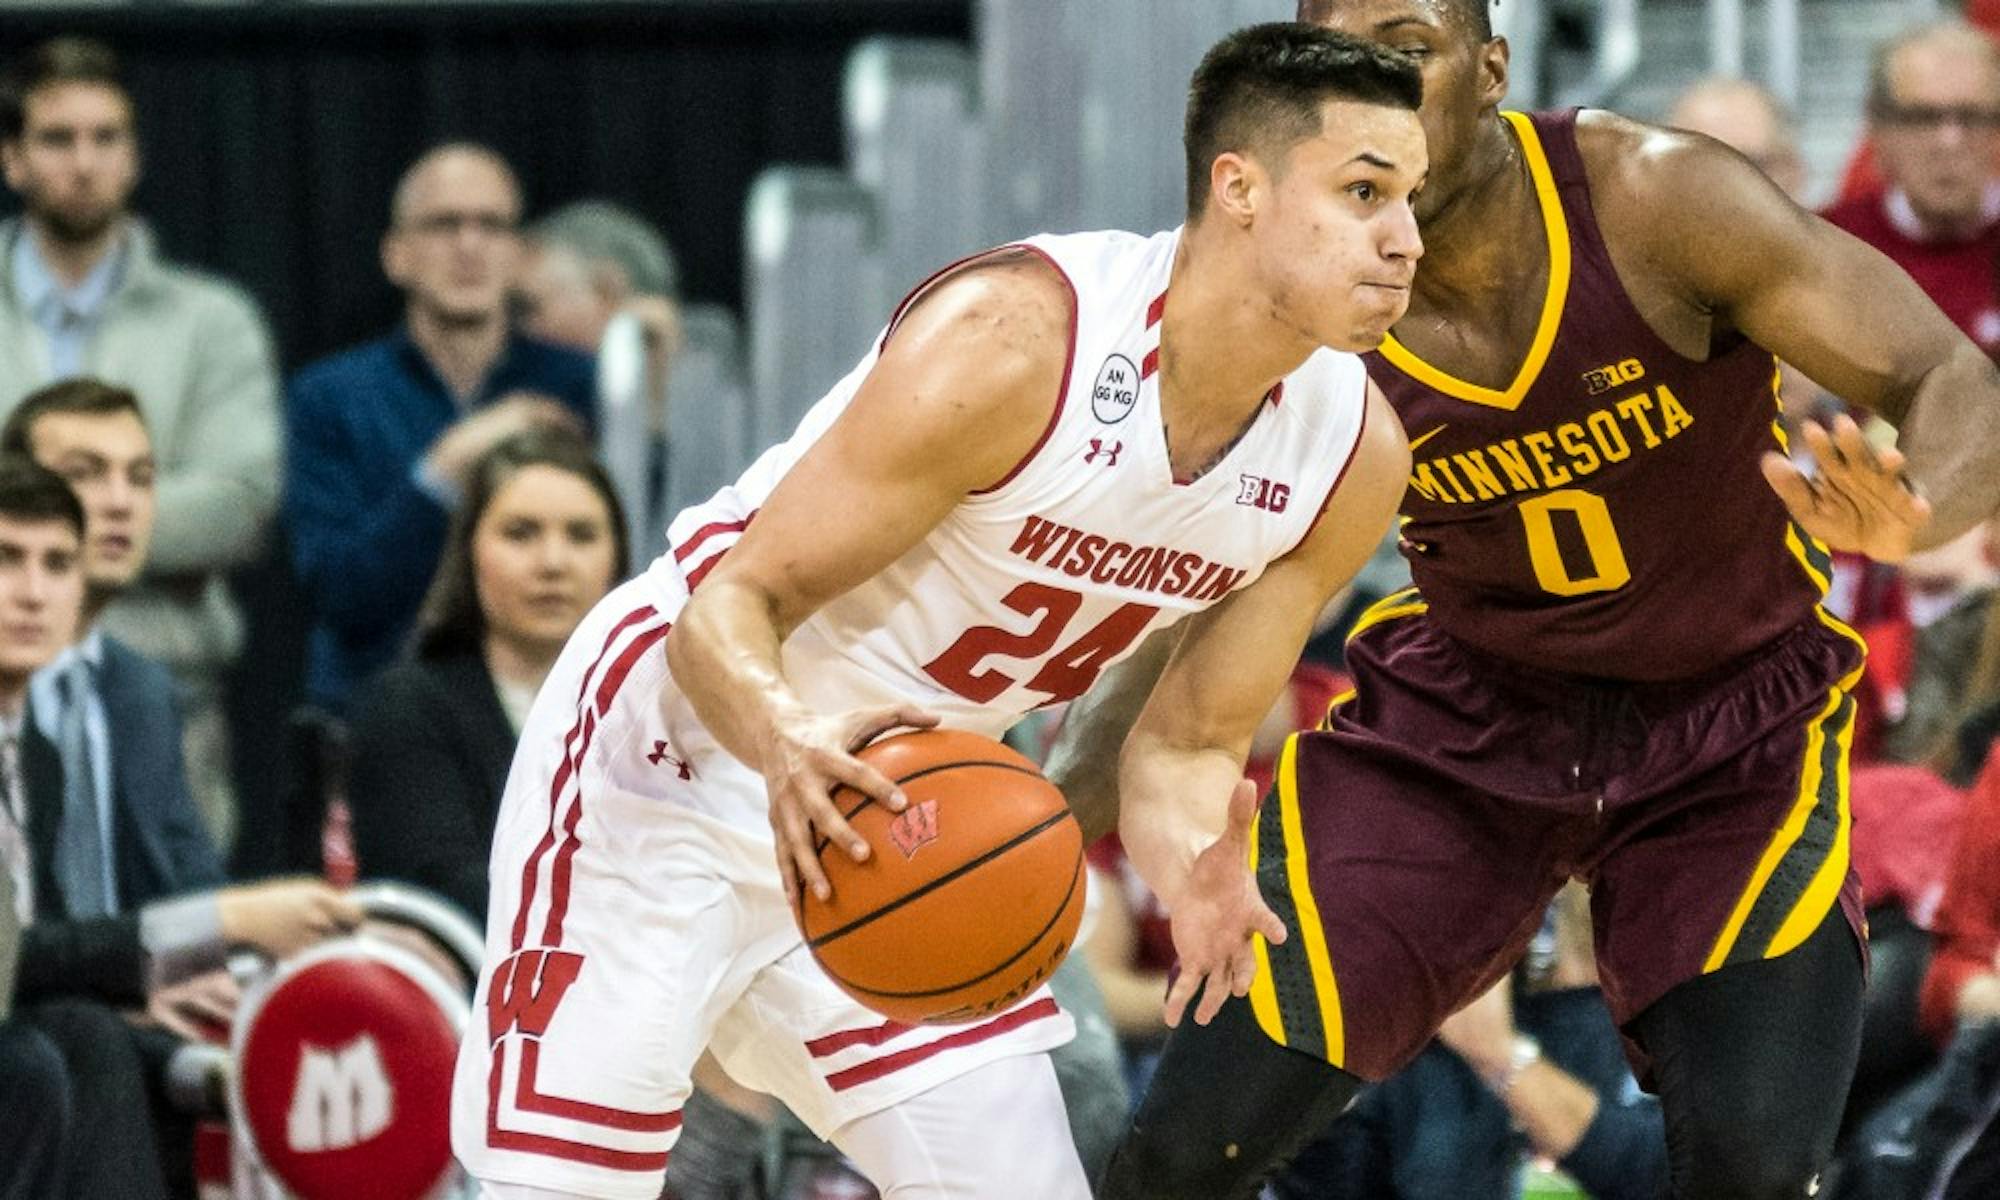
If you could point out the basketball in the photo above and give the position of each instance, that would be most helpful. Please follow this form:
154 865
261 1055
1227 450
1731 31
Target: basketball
970 897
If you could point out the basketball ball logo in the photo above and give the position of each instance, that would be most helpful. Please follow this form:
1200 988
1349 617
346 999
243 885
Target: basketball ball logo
915 829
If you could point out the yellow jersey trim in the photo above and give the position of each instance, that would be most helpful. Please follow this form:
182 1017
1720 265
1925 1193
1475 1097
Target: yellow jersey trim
1406 603
1820 893
1310 930
1556 228
1263 988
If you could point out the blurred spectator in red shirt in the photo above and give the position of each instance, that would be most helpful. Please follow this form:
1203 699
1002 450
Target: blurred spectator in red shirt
1963 984
1934 123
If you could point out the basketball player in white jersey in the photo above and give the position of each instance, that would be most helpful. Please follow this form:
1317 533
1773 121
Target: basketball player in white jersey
1053 450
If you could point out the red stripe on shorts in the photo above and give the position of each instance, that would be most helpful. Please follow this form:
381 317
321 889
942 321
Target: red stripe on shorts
700 573
875 1069
529 1098
554 1147
834 1043
607 691
564 770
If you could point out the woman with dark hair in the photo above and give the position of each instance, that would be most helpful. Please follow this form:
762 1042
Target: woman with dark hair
538 540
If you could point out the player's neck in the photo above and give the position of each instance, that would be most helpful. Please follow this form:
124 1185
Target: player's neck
1222 350
1463 255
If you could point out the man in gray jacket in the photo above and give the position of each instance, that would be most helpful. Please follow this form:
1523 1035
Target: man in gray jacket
83 290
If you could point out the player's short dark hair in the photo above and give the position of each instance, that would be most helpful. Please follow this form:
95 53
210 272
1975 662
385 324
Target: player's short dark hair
82 395
1475 17
30 491
58 60
1262 88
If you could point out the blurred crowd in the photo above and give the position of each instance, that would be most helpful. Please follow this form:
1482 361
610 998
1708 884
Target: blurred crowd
451 519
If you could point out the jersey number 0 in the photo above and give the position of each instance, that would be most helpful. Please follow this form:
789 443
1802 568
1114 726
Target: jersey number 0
1605 557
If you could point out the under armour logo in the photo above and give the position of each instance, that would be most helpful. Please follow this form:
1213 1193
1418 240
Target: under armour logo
1109 453
660 755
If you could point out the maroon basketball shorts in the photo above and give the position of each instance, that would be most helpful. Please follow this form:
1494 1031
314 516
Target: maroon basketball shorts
1411 845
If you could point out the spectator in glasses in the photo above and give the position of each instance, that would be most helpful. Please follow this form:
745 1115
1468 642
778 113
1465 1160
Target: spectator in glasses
1934 122
383 436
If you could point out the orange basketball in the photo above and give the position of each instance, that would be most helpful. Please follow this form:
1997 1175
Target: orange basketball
970 897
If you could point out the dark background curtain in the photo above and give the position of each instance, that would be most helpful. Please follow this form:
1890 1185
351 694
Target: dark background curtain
272 137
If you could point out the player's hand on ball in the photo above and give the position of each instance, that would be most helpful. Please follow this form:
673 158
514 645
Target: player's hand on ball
807 759
1216 916
1859 500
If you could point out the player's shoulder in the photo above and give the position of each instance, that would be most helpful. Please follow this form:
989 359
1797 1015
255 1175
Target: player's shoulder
1014 302
1666 190
1635 161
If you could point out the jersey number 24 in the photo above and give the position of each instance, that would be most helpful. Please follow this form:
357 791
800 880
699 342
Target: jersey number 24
1063 675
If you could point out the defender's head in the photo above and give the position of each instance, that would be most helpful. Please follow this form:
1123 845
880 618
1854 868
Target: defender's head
1307 143
1464 70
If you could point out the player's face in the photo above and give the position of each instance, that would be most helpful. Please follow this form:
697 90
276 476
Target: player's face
456 247
107 459
41 593
76 161
1939 132
542 554
1338 242
557 300
1464 78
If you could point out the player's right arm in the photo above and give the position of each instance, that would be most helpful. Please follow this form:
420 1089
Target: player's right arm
957 398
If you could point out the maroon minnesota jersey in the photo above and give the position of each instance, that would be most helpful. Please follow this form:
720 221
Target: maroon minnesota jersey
1604 515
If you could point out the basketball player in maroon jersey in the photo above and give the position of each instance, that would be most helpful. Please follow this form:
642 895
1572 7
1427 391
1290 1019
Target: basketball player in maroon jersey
1614 665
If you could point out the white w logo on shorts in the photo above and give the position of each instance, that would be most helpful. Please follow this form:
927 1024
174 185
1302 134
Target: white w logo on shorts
342 1097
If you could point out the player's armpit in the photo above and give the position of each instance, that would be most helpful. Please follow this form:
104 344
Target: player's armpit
1691 212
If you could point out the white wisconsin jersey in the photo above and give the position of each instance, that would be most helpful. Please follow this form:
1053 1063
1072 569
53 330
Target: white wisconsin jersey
1029 589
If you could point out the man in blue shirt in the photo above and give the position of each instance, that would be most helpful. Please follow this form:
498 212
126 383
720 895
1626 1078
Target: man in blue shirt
380 437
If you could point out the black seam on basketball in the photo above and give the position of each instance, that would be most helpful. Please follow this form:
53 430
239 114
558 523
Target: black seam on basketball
821 842
1076 875
1025 835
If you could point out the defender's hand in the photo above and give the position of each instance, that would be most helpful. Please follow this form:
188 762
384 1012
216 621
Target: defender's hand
1859 500
805 761
1215 916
